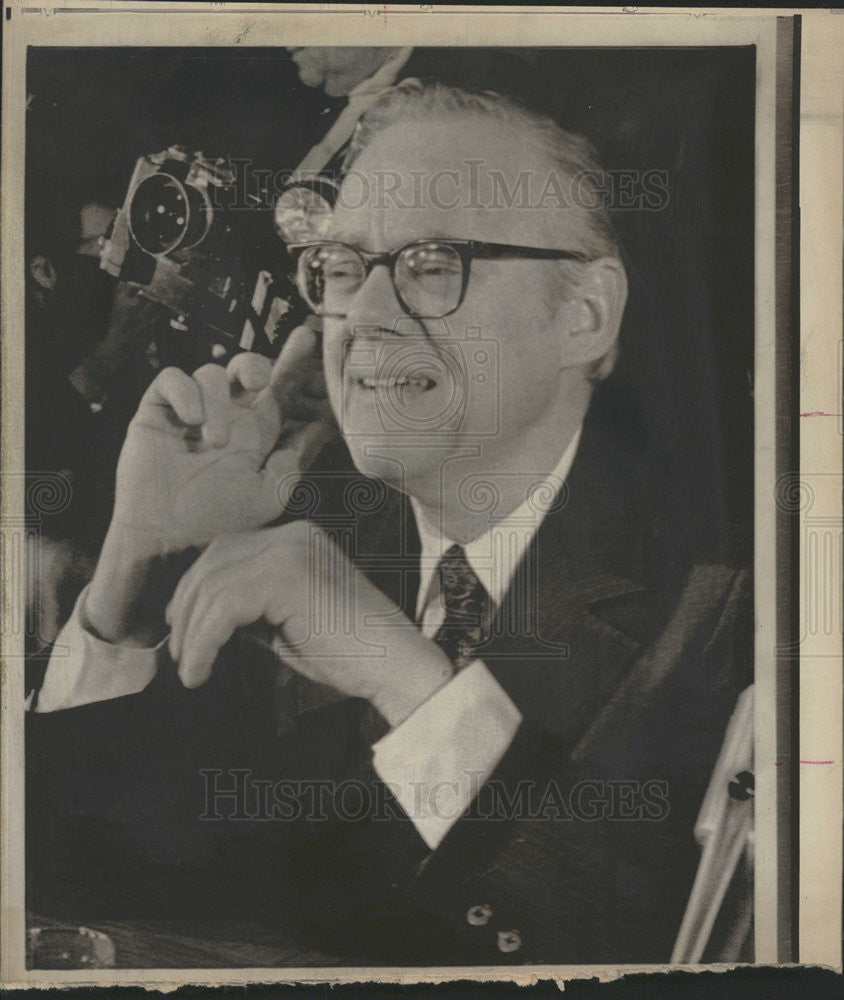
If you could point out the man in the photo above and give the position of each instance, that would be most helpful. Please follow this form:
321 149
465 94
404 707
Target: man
530 756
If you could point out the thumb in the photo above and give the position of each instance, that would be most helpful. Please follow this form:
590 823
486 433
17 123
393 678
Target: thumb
283 471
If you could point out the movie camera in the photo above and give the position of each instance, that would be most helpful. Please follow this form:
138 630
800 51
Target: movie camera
214 255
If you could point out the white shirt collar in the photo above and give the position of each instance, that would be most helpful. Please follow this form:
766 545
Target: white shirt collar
494 555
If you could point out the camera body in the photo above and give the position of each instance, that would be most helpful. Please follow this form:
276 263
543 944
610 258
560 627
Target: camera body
215 262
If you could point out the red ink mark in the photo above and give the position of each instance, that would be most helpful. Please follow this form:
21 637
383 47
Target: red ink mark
820 413
817 761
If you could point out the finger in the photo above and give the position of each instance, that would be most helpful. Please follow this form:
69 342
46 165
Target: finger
249 372
174 616
174 389
280 476
293 367
216 400
201 575
214 569
177 615
195 591
308 400
233 598
278 479
209 628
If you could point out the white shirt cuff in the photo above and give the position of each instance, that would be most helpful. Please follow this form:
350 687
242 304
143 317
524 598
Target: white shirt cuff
84 669
435 762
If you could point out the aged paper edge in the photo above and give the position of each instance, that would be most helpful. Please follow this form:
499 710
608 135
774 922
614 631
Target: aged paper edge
821 694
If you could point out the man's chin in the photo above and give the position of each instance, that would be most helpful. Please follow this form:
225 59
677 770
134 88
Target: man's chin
379 461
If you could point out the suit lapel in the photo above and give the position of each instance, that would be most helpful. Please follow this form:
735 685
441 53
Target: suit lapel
551 649
389 551
562 639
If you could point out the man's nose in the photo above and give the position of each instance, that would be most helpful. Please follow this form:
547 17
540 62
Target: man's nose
375 309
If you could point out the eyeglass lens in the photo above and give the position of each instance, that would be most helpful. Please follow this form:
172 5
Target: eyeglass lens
428 278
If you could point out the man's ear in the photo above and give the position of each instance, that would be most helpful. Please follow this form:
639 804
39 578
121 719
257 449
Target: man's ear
589 317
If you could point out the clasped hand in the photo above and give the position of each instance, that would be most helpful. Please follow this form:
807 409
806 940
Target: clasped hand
333 625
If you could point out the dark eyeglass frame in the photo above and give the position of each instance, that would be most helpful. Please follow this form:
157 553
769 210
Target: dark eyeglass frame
467 250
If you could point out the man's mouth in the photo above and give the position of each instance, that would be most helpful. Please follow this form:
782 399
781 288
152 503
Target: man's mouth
420 382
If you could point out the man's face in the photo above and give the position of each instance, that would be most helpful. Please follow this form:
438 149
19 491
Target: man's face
411 395
335 68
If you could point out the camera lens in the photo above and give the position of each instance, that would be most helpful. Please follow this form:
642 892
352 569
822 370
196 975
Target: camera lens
158 215
301 214
165 215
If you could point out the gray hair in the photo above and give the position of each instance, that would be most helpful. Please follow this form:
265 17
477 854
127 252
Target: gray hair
569 155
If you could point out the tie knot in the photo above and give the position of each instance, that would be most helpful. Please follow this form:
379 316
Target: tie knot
461 588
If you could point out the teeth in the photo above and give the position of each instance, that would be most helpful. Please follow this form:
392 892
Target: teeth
396 383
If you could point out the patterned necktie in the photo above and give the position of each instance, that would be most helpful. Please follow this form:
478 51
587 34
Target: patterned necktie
466 603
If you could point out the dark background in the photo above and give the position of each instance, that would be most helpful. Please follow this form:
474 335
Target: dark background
683 387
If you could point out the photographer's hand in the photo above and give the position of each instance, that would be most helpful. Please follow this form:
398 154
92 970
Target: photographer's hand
205 455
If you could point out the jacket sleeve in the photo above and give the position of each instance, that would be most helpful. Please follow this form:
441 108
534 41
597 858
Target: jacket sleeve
118 795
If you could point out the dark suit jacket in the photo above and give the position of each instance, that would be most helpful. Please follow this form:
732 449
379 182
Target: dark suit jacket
624 657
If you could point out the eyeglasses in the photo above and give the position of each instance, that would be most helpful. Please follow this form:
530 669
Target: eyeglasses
430 277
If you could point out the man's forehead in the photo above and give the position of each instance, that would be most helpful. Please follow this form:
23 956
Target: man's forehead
464 176
482 147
